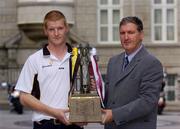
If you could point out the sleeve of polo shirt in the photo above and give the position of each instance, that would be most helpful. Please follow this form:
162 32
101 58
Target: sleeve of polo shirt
26 78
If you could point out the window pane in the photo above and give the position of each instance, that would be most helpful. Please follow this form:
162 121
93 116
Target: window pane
116 16
104 34
170 33
170 16
170 95
115 33
103 2
158 16
116 2
171 79
157 1
158 33
170 1
104 17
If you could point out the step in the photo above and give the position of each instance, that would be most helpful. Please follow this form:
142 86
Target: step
172 106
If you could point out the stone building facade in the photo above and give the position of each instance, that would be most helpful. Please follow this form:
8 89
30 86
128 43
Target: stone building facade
95 22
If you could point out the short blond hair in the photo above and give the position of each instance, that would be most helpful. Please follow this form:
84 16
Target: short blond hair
54 15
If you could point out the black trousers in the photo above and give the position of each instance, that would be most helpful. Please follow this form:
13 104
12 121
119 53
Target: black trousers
52 125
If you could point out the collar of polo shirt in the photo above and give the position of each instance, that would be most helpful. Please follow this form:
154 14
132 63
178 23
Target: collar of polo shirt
47 53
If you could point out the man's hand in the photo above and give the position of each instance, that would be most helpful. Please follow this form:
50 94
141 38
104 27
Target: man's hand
107 116
81 124
33 103
60 114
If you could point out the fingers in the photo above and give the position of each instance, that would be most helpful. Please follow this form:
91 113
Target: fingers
106 116
103 111
61 116
66 121
65 110
103 116
66 116
81 124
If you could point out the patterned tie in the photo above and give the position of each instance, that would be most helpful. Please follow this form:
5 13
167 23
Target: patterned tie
126 62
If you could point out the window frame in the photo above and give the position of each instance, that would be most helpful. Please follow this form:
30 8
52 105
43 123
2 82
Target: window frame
164 7
109 7
171 87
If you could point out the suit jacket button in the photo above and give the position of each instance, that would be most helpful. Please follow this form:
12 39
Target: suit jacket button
113 102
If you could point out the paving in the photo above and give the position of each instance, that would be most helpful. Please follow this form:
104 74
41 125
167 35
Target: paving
11 120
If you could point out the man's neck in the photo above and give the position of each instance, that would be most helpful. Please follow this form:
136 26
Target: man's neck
58 51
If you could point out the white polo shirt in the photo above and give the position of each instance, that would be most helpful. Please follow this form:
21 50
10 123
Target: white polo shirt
53 78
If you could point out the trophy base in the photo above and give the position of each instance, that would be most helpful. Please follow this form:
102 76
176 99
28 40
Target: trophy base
85 108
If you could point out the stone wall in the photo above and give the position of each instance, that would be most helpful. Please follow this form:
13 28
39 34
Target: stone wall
8 28
8 18
86 20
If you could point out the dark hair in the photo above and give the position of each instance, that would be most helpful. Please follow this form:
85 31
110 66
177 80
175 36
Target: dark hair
132 19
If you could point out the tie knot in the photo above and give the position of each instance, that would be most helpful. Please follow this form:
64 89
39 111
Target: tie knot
126 62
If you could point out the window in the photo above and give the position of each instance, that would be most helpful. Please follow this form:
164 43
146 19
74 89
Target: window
109 14
164 21
171 79
170 87
170 95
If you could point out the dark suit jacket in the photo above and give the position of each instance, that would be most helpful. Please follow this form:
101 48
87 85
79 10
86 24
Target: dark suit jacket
133 94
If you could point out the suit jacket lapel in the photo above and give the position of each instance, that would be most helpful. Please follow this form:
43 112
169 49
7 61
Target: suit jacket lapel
118 67
131 65
128 69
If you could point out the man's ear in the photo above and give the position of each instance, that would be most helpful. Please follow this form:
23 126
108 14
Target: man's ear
44 30
67 29
142 35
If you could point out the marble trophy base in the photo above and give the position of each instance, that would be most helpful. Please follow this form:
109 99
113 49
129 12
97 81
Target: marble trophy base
85 108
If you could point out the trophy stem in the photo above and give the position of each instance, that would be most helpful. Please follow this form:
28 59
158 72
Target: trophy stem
85 89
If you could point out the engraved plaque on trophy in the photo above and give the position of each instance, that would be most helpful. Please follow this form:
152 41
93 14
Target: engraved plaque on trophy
84 102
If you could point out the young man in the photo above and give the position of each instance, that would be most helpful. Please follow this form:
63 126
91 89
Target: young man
133 82
50 69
